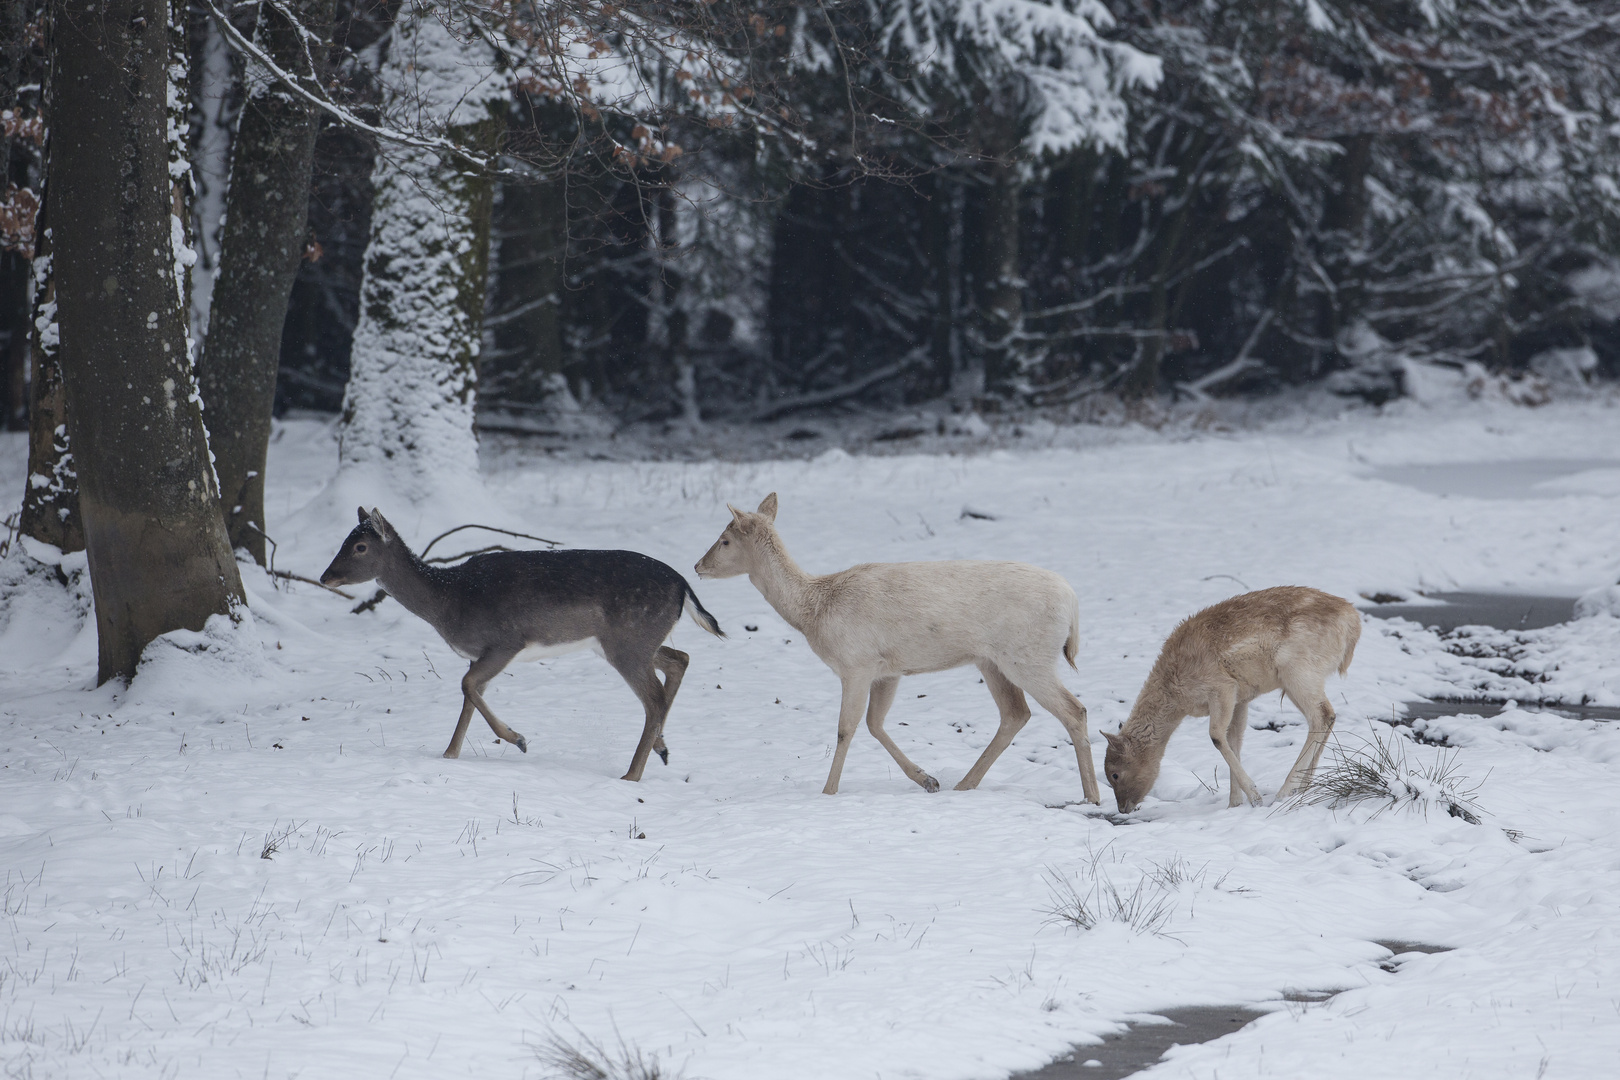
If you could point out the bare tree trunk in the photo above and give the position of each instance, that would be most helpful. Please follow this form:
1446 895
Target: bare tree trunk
529 286
50 509
14 351
1344 213
14 261
998 283
263 240
413 373
216 101
159 559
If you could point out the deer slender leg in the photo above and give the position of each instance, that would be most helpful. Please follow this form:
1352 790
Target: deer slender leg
479 672
856 688
1234 739
639 674
672 662
1222 708
1310 699
1014 715
454 749
1046 688
882 696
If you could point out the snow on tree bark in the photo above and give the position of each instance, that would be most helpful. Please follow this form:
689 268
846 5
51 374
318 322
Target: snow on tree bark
413 374
262 242
158 555
50 508
216 93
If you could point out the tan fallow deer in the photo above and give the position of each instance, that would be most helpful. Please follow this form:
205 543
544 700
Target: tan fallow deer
1216 662
876 622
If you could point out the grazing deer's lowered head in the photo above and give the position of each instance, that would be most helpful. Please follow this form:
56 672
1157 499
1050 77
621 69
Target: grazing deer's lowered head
1288 638
510 605
876 622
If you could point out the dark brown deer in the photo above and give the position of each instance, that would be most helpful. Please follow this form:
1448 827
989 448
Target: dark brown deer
524 605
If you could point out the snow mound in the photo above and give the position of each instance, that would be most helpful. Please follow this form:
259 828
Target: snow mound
45 607
193 668
1604 600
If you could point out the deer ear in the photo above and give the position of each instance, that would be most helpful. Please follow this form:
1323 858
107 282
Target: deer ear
767 508
1114 741
362 511
736 514
384 530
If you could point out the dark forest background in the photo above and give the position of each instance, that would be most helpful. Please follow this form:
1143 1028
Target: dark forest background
1310 193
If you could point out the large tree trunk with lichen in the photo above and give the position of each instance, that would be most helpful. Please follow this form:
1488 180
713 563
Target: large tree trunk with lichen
408 411
263 240
158 556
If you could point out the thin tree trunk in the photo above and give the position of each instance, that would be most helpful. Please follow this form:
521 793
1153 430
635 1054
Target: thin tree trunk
263 240
529 287
1000 299
14 262
1142 381
1344 214
50 509
159 559
413 373
14 294
216 84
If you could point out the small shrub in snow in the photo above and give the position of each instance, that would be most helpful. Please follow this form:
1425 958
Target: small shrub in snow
589 1060
1380 772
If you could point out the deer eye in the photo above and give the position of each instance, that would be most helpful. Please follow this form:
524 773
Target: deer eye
1116 776
360 548
725 543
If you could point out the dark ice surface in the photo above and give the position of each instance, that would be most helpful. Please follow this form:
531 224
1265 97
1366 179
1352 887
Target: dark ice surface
1505 611
1141 1045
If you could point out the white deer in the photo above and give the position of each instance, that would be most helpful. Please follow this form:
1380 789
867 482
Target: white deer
876 622
1219 660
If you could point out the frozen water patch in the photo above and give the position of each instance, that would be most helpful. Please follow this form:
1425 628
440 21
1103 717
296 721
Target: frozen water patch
1531 478
1144 1042
1505 611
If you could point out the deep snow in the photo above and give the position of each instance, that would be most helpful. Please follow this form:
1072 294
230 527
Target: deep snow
430 918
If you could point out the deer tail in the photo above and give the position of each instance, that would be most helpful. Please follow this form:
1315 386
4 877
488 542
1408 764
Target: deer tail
1354 626
694 607
1071 647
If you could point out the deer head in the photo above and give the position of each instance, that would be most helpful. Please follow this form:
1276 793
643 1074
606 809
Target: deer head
734 552
368 549
1130 770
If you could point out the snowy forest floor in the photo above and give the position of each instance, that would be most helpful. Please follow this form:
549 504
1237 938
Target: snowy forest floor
253 862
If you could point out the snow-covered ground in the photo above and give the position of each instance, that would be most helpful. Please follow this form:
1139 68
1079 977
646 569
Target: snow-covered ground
425 918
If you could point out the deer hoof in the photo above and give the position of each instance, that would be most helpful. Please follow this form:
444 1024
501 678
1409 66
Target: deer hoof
522 743
663 754
929 783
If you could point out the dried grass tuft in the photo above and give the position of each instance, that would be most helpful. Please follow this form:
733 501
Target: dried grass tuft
590 1060
1379 771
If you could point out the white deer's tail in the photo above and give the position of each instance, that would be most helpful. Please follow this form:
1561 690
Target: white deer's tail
694 607
1071 647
